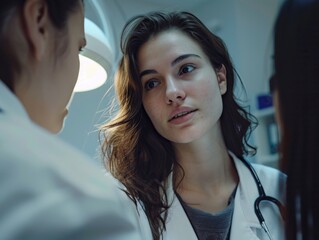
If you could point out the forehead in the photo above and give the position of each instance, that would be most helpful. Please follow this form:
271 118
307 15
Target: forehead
76 20
167 46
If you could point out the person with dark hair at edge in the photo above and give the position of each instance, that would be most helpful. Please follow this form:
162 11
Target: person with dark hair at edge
295 88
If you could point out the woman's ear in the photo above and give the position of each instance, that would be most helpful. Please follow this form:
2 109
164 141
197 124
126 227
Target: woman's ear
36 23
222 79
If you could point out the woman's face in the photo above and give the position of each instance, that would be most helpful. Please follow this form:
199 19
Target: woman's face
66 67
181 90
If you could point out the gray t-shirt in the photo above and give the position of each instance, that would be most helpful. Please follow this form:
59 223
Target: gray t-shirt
211 226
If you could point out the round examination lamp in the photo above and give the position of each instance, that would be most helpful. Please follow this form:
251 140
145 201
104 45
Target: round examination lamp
95 59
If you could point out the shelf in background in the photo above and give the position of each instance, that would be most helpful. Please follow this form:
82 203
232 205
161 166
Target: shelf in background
265 112
268 159
266 137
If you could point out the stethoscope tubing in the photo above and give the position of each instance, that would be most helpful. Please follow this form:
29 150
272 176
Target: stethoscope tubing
262 197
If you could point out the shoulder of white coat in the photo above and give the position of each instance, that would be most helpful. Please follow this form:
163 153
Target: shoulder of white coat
269 173
273 180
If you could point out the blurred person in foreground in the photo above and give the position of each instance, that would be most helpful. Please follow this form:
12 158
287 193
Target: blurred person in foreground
48 189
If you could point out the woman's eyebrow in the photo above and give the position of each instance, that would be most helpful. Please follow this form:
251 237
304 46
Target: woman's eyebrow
182 57
174 62
147 71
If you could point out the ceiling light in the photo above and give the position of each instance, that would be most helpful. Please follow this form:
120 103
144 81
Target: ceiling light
95 59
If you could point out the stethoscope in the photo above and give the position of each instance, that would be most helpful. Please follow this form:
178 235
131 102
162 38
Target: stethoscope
262 197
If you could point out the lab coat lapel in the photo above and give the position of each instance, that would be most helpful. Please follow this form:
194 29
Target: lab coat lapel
241 228
245 223
177 225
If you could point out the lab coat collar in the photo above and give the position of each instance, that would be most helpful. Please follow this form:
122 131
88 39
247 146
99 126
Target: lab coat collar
247 191
9 103
244 214
177 224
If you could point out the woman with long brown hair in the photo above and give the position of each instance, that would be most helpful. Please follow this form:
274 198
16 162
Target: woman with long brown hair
179 138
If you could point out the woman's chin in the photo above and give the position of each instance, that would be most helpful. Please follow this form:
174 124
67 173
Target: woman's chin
58 127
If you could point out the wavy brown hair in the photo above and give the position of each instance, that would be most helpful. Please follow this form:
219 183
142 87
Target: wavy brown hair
133 151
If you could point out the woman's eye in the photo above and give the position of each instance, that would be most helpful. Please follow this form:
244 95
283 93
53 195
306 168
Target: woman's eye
186 69
151 84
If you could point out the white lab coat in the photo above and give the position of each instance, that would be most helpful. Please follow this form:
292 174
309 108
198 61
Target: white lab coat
245 224
50 190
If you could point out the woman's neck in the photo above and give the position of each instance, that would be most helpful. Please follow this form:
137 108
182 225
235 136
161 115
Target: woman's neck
205 165
209 173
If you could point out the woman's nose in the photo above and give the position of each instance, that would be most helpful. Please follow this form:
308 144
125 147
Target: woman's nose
174 92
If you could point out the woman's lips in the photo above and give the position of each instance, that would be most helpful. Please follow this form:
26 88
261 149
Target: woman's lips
182 116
